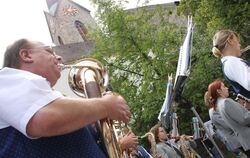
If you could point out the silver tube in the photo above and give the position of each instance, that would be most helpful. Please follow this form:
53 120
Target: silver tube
207 132
196 128
245 49
63 66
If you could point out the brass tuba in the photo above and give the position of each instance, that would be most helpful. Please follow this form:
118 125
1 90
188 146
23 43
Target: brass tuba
88 78
151 139
245 49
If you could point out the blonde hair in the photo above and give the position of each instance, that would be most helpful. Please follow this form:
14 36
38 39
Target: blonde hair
206 99
220 41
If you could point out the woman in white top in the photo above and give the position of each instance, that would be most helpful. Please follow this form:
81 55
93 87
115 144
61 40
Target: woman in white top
226 45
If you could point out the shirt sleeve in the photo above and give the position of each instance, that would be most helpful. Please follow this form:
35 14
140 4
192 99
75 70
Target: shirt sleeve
22 97
237 70
237 112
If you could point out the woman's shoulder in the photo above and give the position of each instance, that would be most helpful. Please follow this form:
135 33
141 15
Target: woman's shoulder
229 100
230 60
220 101
160 145
231 104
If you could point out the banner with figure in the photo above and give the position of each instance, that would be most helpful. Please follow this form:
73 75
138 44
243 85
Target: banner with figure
165 106
173 93
184 62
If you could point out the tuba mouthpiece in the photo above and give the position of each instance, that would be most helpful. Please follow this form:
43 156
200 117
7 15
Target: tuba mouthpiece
63 66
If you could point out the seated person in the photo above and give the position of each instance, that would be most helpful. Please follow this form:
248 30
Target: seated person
38 121
234 114
222 131
163 147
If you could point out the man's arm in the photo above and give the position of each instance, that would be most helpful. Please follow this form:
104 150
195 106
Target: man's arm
65 115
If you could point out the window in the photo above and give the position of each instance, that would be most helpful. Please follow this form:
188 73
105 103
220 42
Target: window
81 29
60 40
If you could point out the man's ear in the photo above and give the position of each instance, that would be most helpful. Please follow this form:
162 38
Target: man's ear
25 56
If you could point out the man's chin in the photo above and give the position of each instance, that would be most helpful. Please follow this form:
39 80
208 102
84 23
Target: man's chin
57 74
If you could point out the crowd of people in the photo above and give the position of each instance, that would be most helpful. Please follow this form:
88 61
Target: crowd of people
38 121
231 118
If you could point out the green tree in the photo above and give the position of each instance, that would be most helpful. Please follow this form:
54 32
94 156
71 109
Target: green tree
140 48
209 17
213 15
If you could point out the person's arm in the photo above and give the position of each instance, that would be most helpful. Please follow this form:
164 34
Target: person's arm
217 120
237 112
65 115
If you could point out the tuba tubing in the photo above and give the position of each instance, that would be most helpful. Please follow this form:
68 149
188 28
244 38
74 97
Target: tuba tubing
245 49
151 139
87 79
105 126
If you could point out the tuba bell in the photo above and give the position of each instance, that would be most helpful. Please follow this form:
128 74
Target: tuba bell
88 78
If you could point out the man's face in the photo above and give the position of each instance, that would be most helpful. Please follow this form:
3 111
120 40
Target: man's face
45 62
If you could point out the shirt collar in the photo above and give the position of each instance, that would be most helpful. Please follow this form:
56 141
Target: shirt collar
228 57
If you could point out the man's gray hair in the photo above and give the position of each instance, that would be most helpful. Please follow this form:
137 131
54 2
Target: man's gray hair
11 55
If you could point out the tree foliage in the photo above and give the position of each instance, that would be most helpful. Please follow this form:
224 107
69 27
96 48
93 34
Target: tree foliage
213 15
209 17
140 47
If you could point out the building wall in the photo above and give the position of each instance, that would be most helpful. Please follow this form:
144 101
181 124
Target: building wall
62 23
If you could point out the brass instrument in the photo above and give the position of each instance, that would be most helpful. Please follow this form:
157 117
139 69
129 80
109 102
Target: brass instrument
196 128
183 139
245 49
188 152
208 134
120 130
175 132
88 78
152 141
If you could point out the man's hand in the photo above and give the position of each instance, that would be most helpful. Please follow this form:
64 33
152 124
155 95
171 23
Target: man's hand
244 103
116 108
129 141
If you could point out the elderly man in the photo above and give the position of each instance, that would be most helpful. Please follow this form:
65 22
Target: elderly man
37 121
